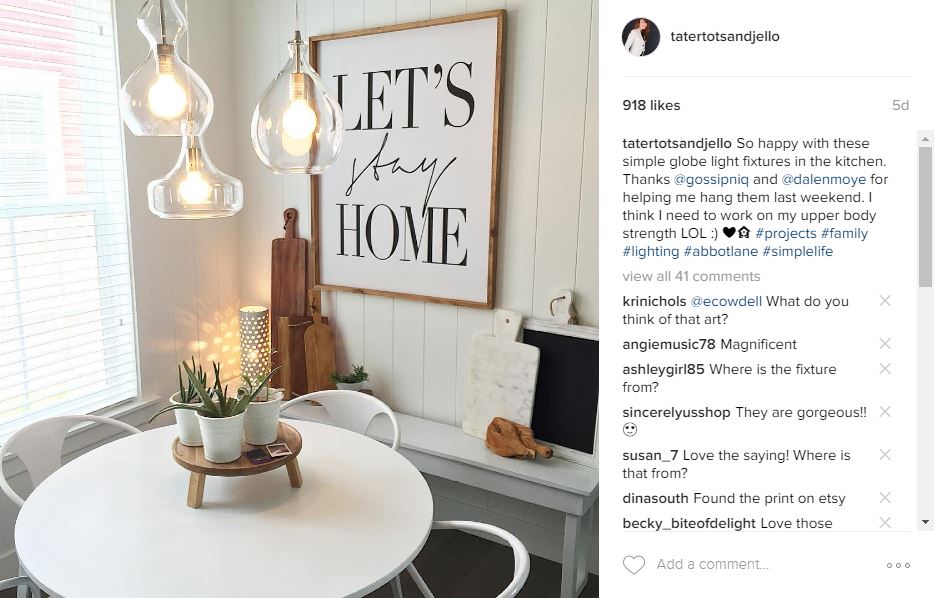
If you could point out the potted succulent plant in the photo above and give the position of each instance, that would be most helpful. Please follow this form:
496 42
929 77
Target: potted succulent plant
219 415
352 381
261 421
189 431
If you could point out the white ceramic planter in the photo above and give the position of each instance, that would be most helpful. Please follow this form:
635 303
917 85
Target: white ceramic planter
358 386
221 437
189 432
261 420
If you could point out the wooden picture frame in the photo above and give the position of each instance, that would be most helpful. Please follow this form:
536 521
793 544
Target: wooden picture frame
479 297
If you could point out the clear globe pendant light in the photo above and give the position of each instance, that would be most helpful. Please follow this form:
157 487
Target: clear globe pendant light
163 91
297 125
195 188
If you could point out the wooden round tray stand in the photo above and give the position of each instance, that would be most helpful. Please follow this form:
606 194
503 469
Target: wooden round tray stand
192 459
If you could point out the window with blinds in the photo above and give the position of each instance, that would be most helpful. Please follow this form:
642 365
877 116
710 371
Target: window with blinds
67 331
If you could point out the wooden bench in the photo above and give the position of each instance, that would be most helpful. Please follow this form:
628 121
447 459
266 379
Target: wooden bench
447 452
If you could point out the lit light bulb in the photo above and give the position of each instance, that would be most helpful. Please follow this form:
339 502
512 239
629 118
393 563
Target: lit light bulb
167 98
296 147
299 120
297 125
194 189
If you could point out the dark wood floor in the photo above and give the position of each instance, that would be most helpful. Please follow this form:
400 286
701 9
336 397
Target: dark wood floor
459 565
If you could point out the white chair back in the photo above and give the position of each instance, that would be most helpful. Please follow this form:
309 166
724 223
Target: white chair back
346 409
21 581
39 447
520 556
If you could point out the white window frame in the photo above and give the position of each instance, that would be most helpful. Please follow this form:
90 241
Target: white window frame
45 84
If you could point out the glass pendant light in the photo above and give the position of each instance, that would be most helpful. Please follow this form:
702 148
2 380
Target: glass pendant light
158 97
297 125
195 188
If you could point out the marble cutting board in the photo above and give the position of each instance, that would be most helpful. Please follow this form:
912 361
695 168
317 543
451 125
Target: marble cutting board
501 379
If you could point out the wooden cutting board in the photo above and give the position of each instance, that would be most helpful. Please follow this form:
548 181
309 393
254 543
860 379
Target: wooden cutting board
320 362
289 276
291 354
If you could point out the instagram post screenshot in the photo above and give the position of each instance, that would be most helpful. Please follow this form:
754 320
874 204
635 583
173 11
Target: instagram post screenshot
299 298
766 230
466 298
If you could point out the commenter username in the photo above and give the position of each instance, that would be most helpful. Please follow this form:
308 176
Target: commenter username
736 524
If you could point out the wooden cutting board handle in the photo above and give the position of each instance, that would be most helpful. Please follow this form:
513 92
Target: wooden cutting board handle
320 361
314 305
288 279
290 215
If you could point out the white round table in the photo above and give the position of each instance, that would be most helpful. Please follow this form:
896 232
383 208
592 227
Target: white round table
114 523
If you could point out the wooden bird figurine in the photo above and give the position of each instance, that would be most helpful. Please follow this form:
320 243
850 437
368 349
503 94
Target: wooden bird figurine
509 439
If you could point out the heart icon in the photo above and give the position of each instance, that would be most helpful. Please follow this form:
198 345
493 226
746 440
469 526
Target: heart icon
729 231
634 564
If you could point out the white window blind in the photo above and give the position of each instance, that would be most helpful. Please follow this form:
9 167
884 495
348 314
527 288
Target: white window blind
67 332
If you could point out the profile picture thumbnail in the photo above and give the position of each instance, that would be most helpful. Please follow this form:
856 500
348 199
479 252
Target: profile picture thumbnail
640 37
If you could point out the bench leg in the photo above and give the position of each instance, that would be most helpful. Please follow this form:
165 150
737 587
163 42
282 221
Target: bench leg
583 555
195 490
574 561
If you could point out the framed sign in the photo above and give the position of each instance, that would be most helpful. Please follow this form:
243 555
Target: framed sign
409 208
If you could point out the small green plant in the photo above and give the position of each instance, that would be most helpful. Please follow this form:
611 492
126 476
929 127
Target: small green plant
216 402
189 395
251 384
256 388
356 376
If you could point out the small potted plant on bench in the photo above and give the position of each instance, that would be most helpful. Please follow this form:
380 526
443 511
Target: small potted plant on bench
352 381
261 421
220 416
189 432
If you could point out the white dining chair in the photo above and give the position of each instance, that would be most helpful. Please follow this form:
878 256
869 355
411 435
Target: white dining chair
346 409
21 582
520 556
352 411
39 447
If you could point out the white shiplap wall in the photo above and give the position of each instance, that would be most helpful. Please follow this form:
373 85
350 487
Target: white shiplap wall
548 210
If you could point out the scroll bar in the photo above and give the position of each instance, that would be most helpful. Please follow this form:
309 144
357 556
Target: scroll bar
925 332
925 250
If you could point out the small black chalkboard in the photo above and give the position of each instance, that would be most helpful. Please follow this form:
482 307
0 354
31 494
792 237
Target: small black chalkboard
566 394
